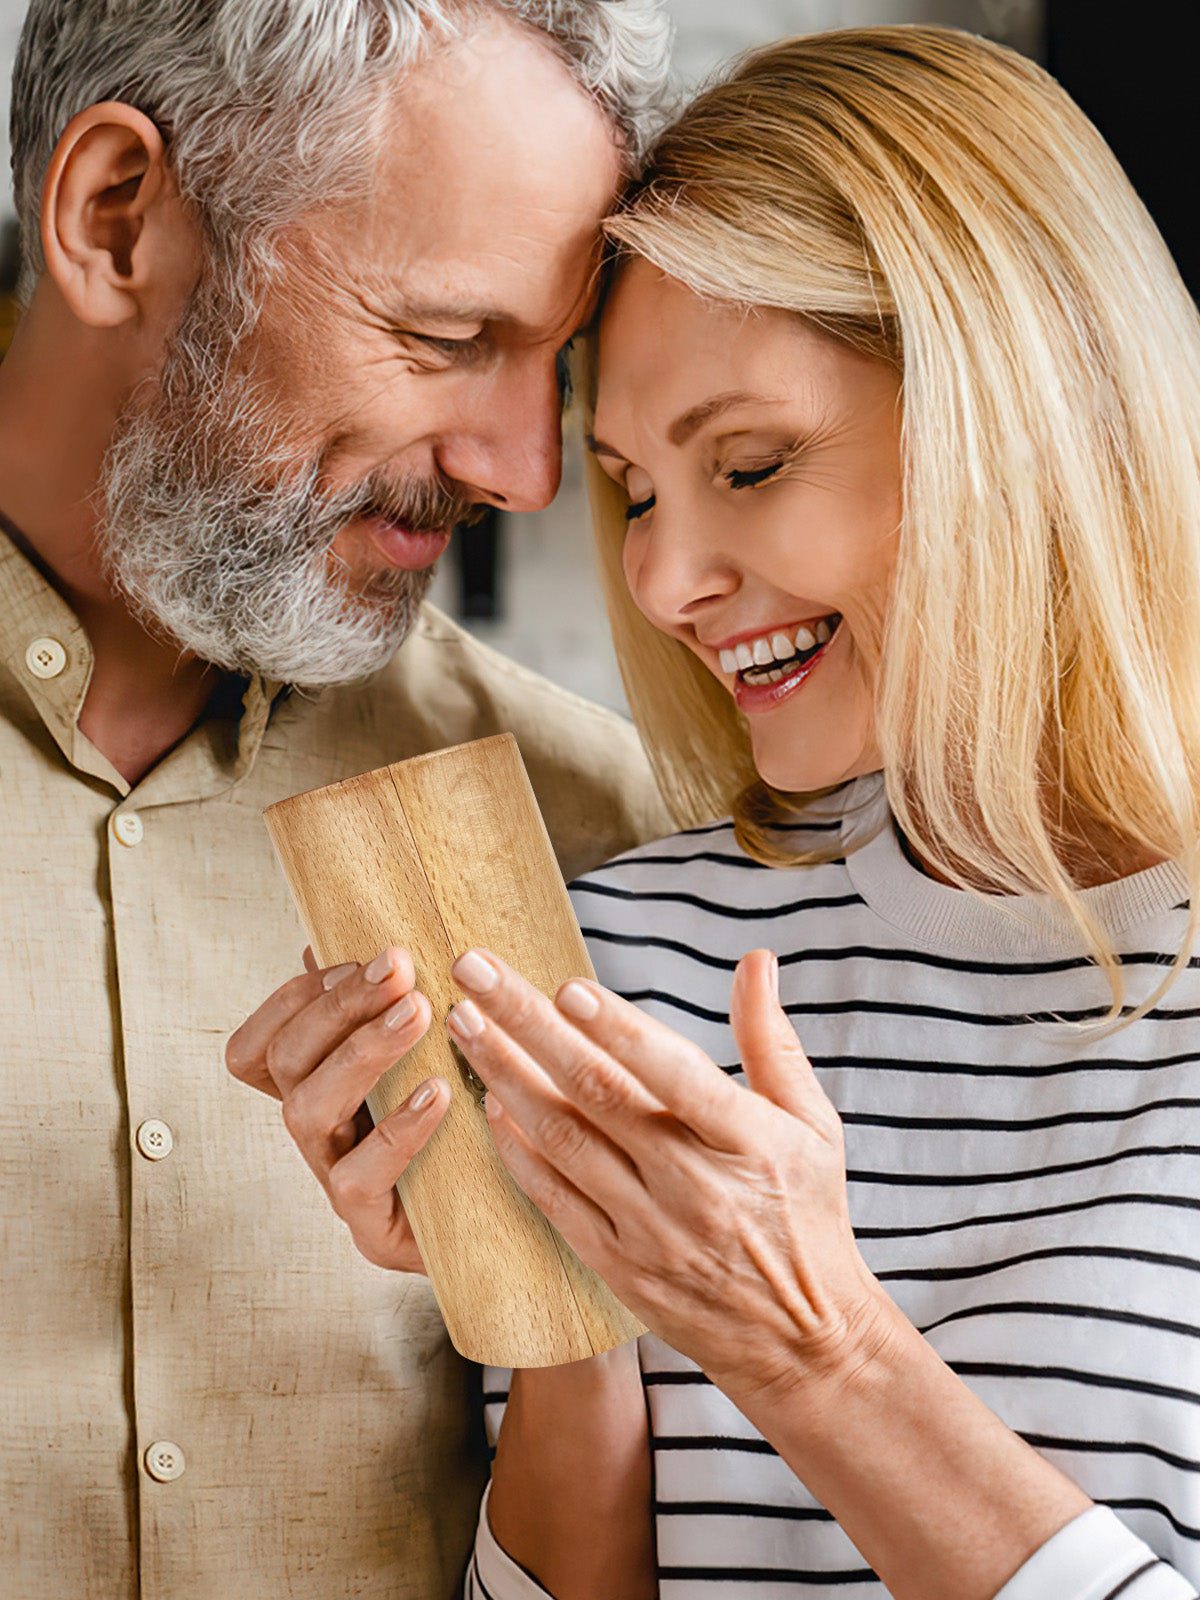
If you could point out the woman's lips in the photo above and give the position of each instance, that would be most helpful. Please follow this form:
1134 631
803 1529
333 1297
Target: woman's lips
758 697
403 547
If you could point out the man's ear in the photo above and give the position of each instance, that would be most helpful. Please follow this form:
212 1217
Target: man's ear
112 223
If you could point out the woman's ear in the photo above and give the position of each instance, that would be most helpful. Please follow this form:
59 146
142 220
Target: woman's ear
112 223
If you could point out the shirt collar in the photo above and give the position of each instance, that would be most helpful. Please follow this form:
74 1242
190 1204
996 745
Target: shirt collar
44 645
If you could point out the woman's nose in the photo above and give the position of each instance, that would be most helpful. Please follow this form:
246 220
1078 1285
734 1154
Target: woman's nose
674 569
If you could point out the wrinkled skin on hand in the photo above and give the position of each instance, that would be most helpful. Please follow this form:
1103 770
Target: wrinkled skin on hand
717 1213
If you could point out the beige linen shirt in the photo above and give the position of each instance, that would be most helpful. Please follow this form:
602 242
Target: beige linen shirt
206 1392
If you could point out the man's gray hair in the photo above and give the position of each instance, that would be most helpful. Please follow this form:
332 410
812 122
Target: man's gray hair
263 102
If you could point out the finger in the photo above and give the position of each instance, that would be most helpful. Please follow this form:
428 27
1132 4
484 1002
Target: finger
246 1047
310 960
362 1185
583 1071
345 999
773 1058
674 1074
322 1110
585 1225
563 1133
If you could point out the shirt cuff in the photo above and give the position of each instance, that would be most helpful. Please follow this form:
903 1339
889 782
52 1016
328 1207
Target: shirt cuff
493 1574
1096 1557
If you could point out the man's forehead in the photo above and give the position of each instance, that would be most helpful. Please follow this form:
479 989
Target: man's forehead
416 294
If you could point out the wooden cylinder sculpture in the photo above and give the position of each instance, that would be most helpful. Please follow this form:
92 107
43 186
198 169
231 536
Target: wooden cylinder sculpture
438 854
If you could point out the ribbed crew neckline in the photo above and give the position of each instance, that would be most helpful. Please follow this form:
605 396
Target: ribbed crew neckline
939 917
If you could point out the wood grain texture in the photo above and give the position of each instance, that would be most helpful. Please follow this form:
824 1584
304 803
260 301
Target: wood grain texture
438 854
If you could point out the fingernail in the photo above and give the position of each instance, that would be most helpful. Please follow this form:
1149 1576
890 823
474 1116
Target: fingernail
403 1011
577 1000
465 1021
337 975
381 968
473 972
422 1097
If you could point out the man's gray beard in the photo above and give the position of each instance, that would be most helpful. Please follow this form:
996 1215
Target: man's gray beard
217 540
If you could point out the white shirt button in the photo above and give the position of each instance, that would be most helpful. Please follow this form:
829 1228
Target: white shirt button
45 658
127 828
154 1139
164 1461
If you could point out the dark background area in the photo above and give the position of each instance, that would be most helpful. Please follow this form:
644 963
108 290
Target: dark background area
1133 69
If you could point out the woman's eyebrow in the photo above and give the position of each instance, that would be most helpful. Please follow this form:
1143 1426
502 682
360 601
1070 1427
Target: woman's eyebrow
683 428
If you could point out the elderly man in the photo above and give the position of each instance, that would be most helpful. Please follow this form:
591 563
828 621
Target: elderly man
298 275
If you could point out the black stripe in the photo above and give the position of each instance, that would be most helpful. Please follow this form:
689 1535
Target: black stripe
764 1575
653 1380
1170 1202
898 1008
740 860
495 1397
478 1581
740 1508
1159 1510
711 1441
1111 1447
1127 1583
878 955
870 1119
981 1269
1002 1069
1090 1380
969 1180
1050 1308
740 913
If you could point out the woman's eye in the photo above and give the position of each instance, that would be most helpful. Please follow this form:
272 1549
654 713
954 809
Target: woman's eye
738 479
639 509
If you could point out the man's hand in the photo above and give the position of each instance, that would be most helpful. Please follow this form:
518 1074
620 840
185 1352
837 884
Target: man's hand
319 1045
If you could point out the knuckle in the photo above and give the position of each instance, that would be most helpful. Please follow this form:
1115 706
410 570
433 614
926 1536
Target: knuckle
275 1060
347 1191
299 1120
563 1139
601 1090
345 1000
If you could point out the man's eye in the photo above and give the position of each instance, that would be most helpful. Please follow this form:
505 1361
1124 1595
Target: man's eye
738 479
640 508
430 344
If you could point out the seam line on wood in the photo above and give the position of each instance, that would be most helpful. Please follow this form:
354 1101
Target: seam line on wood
568 1278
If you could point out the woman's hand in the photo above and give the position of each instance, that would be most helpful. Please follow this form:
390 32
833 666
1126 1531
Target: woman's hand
718 1216
319 1045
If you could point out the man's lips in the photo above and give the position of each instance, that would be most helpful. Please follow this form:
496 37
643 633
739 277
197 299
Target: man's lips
404 547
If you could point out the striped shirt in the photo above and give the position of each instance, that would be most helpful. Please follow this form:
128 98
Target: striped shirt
1028 1192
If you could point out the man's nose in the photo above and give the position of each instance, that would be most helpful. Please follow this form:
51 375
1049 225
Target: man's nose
509 447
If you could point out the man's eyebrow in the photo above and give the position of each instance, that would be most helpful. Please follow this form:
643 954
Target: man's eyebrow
404 312
684 427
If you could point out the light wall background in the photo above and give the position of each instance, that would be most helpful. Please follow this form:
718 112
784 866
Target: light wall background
552 618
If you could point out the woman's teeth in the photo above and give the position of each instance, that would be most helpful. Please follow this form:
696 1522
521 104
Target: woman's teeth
774 655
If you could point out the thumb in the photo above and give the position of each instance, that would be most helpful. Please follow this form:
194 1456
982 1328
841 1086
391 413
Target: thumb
773 1058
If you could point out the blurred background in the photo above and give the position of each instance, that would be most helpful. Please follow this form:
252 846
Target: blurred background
525 583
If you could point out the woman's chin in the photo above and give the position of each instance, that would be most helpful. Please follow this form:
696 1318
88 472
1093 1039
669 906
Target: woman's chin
788 774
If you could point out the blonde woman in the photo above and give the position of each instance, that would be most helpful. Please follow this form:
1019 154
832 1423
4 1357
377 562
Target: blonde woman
898 414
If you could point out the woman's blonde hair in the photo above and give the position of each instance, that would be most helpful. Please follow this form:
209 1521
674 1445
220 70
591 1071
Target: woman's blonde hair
939 201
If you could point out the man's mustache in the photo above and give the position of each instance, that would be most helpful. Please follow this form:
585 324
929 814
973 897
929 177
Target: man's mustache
425 505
